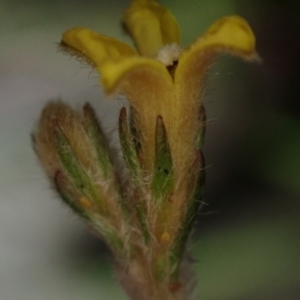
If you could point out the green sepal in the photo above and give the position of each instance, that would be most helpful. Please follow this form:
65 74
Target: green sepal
75 172
142 218
61 187
127 145
97 138
163 179
135 134
189 217
130 145
98 222
110 235
161 267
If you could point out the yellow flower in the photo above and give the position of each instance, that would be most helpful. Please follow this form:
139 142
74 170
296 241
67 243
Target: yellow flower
161 79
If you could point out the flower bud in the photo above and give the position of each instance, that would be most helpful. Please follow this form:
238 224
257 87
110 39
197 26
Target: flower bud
72 149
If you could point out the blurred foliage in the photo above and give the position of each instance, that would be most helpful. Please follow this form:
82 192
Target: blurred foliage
247 258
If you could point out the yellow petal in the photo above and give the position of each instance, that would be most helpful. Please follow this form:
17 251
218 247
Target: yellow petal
126 73
151 26
230 34
149 89
94 47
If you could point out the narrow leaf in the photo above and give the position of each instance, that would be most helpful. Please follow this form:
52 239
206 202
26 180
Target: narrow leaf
110 235
163 179
97 138
76 173
142 217
127 145
61 187
134 130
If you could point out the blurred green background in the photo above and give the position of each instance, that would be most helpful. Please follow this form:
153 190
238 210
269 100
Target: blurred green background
246 243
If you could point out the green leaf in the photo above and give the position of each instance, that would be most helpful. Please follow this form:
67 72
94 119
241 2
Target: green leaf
110 234
163 179
62 188
161 267
128 146
75 172
142 217
98 140
135 134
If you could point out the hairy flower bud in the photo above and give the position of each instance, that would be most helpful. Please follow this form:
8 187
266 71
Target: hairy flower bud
73 151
